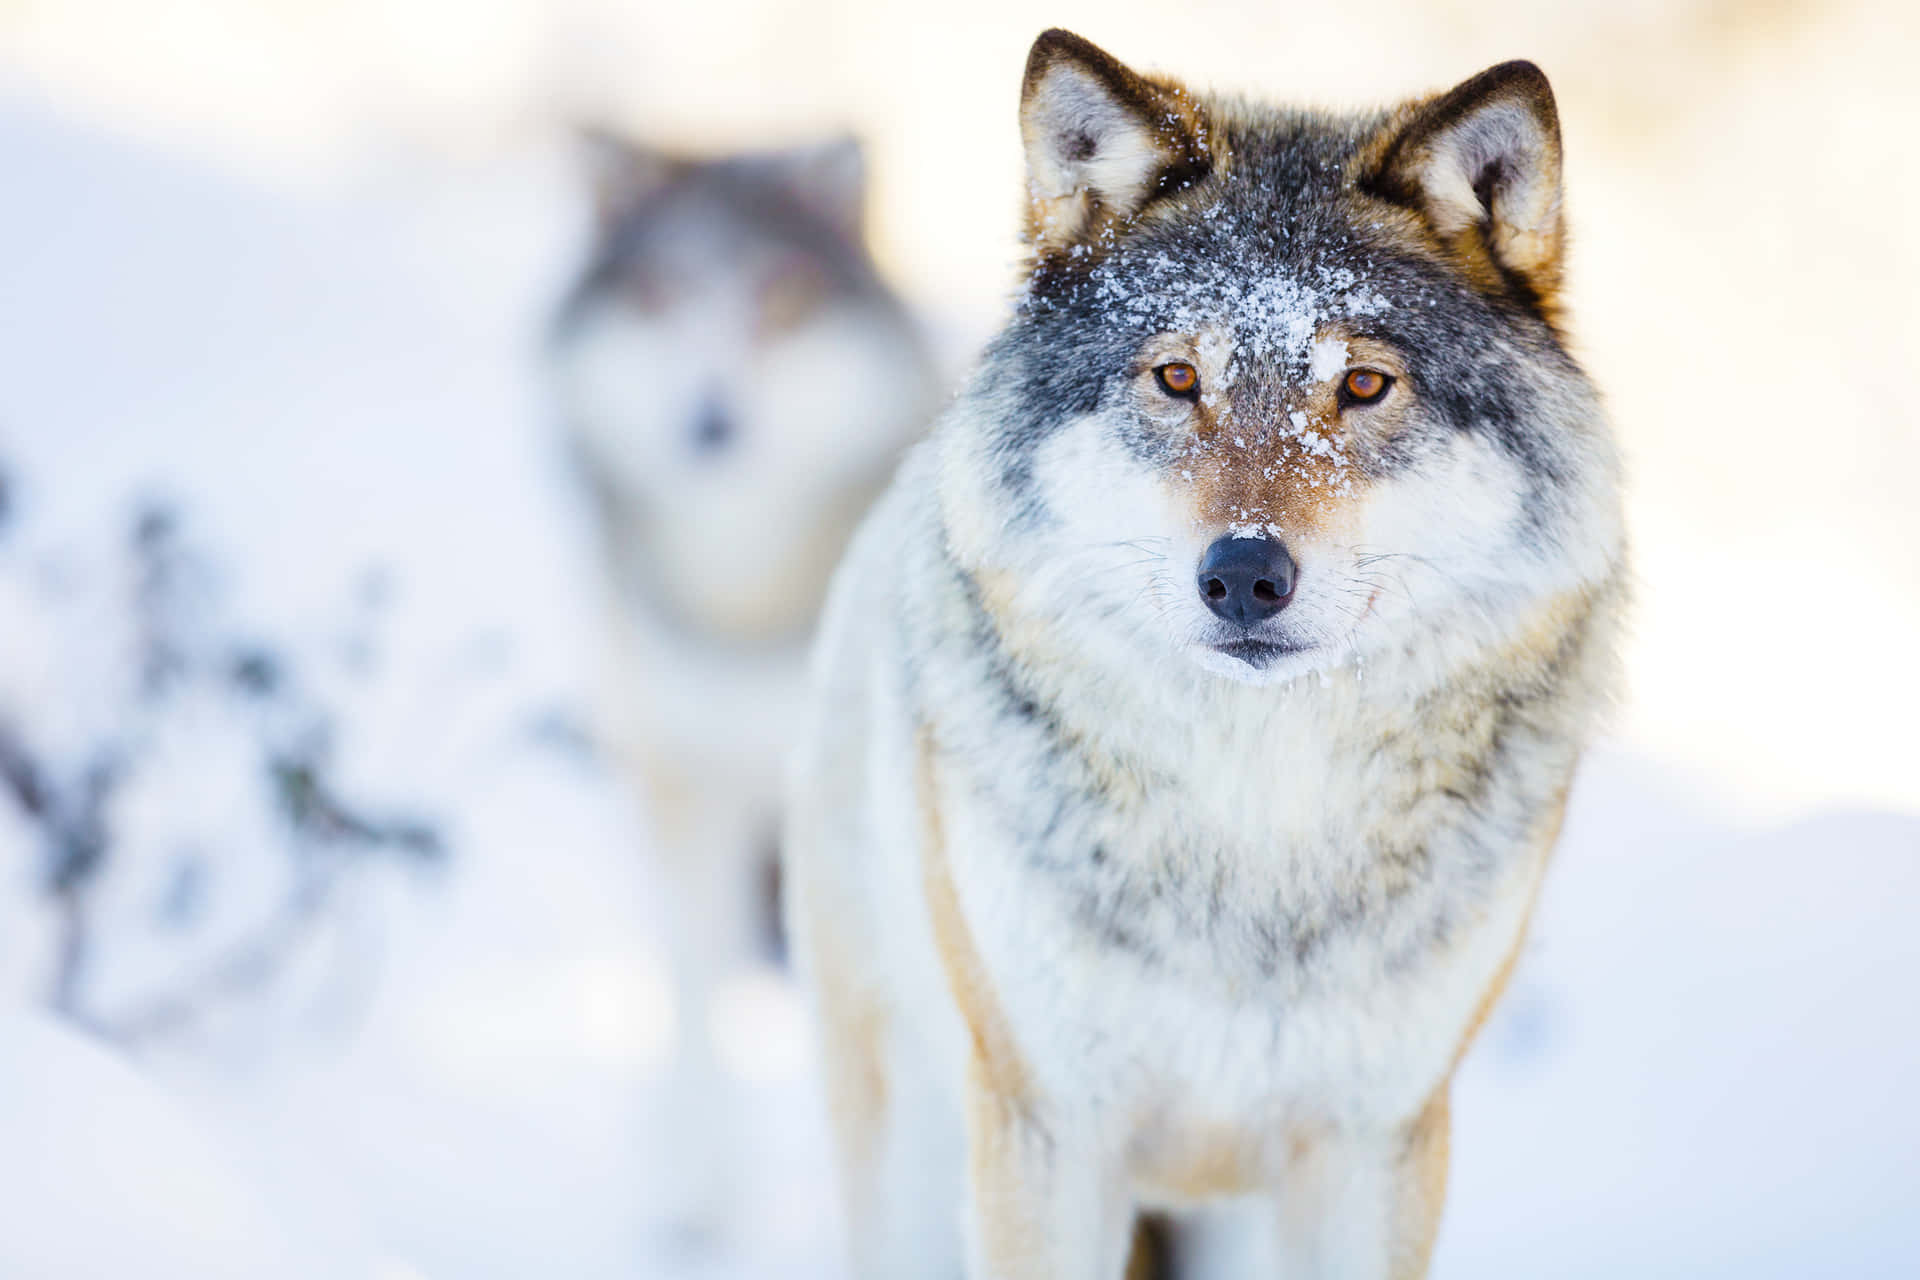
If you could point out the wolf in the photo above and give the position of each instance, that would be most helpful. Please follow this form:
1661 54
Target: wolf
1195 713
737 382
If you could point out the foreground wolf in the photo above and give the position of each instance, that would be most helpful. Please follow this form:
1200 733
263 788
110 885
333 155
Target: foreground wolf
739 384
1196 712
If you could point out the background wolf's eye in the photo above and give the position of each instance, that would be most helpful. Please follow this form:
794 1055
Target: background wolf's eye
1178 379
1364 386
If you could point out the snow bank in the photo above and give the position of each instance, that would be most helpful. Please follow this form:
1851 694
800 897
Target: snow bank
103 1174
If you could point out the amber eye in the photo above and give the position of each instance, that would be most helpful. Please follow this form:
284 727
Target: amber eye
1364 386
1178 379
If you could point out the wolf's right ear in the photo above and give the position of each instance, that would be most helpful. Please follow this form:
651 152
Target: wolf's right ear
623 174
1102 141
1481 164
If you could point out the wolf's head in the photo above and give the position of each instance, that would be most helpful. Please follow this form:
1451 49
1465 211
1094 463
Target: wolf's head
1283 387
737 377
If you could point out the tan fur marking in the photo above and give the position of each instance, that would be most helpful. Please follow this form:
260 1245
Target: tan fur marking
1554 819
1558 618
1421 1187
999 595
1253 463
995 1057
1262 472
1008 1168
1007 1157
1202 1165
856 1074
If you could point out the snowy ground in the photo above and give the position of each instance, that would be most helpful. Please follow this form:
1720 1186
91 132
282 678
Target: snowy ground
1699 1071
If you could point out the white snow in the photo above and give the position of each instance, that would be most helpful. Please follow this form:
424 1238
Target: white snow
1327 358
1702 1068
1273 316
106 1175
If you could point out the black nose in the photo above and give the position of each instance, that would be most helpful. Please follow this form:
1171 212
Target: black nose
1246 580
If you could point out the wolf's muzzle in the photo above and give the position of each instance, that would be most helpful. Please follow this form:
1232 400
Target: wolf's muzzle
1246 580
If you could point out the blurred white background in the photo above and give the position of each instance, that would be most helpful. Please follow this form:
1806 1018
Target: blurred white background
287 260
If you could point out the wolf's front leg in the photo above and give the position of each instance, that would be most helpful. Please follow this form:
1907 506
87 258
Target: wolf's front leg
1366 1208
1042 1204
1349 1208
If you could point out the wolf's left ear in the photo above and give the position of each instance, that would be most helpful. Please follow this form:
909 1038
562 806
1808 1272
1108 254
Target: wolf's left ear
1481 164
1102 140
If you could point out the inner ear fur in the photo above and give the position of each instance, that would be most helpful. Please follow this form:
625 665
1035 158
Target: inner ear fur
1481 165
1102 140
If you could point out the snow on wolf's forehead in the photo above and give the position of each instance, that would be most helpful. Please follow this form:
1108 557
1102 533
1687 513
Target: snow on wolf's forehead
1272 297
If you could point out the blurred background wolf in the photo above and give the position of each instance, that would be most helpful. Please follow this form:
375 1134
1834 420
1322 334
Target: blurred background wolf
737 383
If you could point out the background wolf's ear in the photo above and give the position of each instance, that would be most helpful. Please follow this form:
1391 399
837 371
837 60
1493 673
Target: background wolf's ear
828 178
623 174
1101 140
1481 164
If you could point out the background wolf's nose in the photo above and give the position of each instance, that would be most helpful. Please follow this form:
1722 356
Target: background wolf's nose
1246 580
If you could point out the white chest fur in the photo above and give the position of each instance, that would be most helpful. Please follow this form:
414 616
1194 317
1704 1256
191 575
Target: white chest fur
1258 928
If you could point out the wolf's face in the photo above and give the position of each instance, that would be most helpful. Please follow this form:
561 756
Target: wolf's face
737 377
1285 389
